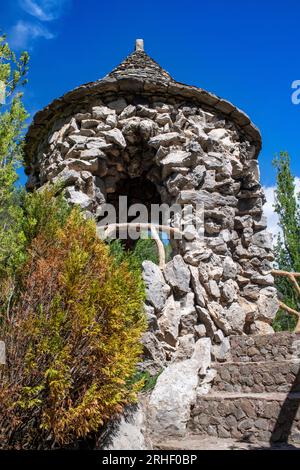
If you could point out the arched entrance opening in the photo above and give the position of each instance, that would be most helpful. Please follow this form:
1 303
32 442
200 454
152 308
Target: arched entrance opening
138 191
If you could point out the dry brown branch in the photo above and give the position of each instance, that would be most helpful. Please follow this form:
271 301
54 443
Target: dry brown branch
292 312
292 276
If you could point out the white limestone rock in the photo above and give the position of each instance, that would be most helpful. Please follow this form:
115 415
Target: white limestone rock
153 349
213 289
175 391
166 139
235 316
157 290
169 321
129 434
77 139
146 128
102 112
262 240
229 291
259 327
111 120
91 153
200 293
206 320
116 137
221 352
79 198
267 304
127 112
151 317
67 177
207 199
229 268
175 159
200 331
177 275
184 348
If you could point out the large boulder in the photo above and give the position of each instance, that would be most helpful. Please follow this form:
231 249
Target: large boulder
175 391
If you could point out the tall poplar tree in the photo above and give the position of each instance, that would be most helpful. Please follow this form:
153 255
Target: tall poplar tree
287 248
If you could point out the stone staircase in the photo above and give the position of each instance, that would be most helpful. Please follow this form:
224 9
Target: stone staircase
254 398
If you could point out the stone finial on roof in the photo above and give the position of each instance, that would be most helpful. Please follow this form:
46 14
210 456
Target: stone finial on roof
139 44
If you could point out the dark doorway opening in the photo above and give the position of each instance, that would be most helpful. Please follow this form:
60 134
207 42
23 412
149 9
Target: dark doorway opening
138 190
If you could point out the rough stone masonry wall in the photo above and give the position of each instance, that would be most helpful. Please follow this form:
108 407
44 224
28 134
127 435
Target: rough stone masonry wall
251 418
216 286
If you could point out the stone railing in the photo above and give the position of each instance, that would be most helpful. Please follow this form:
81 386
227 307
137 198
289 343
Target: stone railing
153 228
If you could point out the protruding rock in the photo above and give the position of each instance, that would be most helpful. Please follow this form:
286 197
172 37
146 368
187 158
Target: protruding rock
229 268
259 327
116 137
169 320
200 293
177 275
79 198
170 138
157 290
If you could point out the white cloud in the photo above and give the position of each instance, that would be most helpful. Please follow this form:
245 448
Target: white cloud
44 10
269 212
24 32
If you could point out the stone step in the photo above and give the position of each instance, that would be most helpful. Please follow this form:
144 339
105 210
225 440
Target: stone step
257 377
251 417
257 348
202 442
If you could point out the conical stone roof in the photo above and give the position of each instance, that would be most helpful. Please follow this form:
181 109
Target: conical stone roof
139 64
140 75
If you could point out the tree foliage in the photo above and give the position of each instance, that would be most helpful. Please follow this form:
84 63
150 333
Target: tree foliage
287 249
12 121
144 249
72 332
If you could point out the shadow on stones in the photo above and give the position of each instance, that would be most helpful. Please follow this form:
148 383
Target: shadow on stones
287 415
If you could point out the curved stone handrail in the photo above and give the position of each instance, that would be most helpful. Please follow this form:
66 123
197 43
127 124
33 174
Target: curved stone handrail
153 229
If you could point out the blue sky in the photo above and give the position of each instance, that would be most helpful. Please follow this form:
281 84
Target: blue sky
246 52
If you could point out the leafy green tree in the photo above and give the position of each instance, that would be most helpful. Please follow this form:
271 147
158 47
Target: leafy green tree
287 249
13 73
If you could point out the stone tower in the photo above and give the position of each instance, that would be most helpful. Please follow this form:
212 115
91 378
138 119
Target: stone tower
138 132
